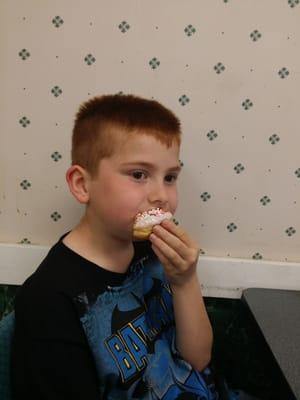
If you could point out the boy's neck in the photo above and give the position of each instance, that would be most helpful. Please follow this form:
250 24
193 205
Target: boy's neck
106 252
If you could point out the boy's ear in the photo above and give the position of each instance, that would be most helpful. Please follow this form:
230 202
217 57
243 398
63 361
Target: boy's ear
77 179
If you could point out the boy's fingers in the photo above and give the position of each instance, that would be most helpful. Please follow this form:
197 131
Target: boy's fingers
160 255
168 242
179 232
173 246
166 254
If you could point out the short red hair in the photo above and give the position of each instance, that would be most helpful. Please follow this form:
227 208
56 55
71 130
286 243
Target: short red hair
97 120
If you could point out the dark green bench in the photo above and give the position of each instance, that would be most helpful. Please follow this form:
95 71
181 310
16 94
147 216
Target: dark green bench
7 295
240 354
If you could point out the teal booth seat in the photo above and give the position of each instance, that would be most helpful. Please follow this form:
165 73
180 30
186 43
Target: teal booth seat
6 332
241 358
7 294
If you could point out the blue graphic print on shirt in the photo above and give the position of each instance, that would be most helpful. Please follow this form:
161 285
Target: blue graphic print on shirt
131 333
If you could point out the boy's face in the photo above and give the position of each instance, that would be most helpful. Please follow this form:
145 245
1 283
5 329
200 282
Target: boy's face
140 175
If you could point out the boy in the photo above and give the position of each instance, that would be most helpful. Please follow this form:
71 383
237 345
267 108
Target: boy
105 317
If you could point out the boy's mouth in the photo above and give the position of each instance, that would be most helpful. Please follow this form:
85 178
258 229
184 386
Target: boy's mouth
145 221
151 211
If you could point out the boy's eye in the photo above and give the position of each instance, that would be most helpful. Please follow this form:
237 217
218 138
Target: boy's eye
171 178
138 175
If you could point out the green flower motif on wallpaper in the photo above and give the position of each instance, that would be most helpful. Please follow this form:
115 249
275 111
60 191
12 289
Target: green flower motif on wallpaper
274 139
56 156
55 216
212 135
183 100
25 241
205 196
175 221
89 59
290 231
283 73
239 168
24 54
189 30
247 104
297 172
56 91
231 227
57 21
154 63
255 35
124 26
293 3
265 200
257 256
25 184
219 68
24 121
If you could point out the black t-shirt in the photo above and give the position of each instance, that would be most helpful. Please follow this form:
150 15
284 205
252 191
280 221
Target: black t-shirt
83 332
51 358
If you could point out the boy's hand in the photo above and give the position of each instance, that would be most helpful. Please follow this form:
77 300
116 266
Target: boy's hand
177 252
179 255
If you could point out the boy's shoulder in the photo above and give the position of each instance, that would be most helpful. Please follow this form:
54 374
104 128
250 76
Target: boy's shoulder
49 276
65 273
53 270
61 273
44 305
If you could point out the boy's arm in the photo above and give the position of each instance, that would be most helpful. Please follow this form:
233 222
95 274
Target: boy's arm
193 330
179 255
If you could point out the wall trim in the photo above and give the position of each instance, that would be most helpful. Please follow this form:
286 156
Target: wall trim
219 277
228 277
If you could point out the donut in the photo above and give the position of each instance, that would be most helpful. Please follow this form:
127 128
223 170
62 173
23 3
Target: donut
145 221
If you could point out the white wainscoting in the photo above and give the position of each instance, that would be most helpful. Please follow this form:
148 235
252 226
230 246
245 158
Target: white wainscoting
219 277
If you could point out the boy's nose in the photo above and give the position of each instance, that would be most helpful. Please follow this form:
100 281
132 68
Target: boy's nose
158 196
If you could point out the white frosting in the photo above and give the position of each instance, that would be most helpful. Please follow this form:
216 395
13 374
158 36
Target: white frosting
145 220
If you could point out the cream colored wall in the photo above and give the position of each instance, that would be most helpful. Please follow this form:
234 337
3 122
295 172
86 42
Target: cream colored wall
252 39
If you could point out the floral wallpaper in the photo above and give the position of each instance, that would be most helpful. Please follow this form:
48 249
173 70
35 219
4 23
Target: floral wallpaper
229 69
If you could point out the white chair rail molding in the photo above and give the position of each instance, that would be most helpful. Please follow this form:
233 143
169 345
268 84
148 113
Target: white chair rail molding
219 277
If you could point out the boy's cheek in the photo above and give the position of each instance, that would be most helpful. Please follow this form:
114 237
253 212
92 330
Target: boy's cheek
173 206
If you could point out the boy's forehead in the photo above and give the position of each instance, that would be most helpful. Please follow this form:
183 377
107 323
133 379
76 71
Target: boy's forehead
144 150
132 142
151 158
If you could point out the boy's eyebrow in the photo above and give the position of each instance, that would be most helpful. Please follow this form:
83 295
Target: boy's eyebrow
176 168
